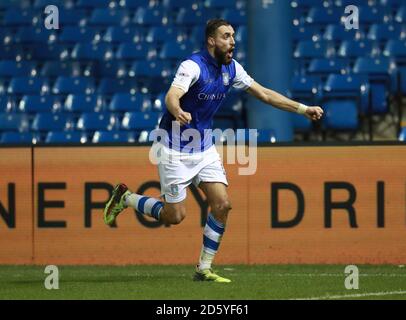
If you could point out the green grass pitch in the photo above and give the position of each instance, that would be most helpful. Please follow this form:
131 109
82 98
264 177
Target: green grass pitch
259 282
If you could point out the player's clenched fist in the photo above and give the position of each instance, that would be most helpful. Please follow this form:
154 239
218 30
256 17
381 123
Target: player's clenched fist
183 117
314 113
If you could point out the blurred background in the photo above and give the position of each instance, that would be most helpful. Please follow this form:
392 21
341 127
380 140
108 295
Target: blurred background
102 75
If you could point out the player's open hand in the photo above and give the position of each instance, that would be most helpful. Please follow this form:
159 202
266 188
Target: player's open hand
314 113
183 117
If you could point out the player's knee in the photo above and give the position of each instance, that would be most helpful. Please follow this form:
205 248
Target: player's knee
223 206
175 216
178 218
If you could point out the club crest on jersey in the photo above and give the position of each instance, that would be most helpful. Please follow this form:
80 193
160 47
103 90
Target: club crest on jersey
174 189
226 79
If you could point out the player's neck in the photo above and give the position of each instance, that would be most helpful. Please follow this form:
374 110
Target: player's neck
211 53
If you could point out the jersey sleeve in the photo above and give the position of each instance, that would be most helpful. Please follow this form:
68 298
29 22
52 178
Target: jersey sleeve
186 75
242 80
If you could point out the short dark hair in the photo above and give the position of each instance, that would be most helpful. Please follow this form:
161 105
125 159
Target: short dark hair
212 25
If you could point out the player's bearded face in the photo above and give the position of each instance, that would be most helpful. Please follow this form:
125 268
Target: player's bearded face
224 45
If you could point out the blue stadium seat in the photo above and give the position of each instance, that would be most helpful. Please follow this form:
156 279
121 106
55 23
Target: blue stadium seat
113 137
89 51
134 4
81 103
55 69
110 86
241 35
65 137
372 14
7 104
11 137
140 120
383 32
13 122
373 66
34 35
402 134
66 85
54 51
17 17
172 50
92 121
396 49
305 87
301 124
190 17
115 34
309 50
220 4
6 35
159 102
302 32
160 34
28 85
35 103
132 51
11 68
109 17
266 135
47 121
13 52
153 86
235 16
325 66
75 34
198 33
152 69
337 33
355 49
401 15
340 115
149 16
111 69
7 4
71 17
305 3
90 4
179 4
126 102
391 3
41 4
323 16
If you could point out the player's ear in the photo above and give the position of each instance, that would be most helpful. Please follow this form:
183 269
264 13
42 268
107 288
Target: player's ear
211 41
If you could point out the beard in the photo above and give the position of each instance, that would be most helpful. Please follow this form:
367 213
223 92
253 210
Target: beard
221 56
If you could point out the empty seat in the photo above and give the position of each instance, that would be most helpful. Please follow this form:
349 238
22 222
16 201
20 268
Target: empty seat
320 15
28 85
336 32
131 50
55 69
310 50
90 4
41 4
159 102
46 121
372 14
115 34
149 16
81 103
53 51
383 32
34 35
140 120
11 137
154 68
401 15
189 16
160 34
92 121
175 50
340 115
89 51
36 103
236 17
305 87
13 122
126 102
266 135
134 4
113 137
14 52
7 103
325 66
110 86
66 85
373 66
11 68
71 16
18 17
355 49
109 17
397 50
220 4
76 34
111 69
65 137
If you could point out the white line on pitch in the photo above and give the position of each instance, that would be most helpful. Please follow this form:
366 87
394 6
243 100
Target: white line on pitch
358 295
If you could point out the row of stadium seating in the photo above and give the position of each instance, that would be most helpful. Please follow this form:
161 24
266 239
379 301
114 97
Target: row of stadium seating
306 4
63 137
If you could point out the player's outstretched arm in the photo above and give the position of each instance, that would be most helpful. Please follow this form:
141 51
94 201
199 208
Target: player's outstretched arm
172 101
275 99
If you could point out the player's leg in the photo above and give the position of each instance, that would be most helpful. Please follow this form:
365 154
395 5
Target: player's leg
212 180
122 197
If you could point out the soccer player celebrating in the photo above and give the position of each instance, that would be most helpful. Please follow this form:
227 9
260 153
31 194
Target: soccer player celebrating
199 87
